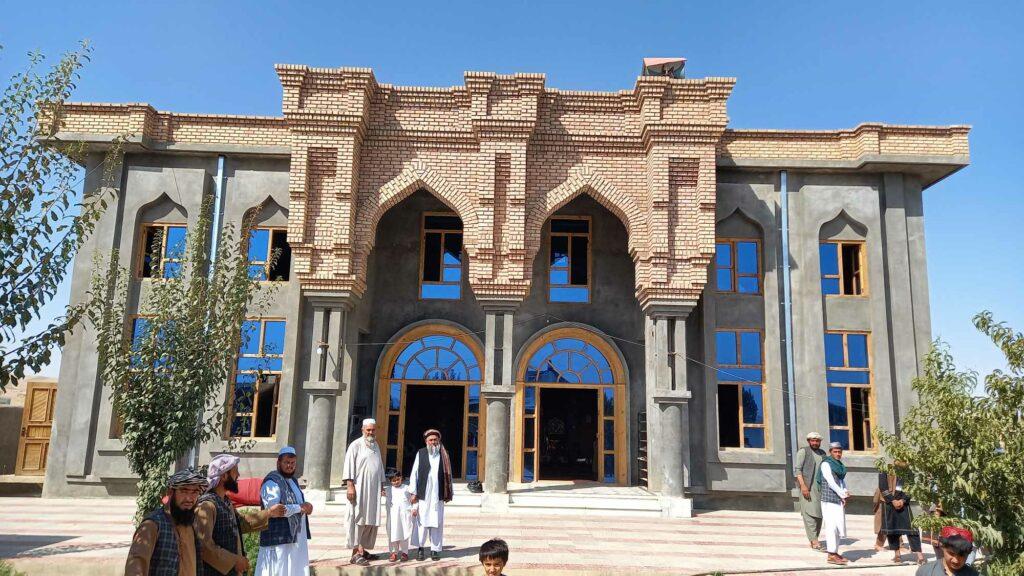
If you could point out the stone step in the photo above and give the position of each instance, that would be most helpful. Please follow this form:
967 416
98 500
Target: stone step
586 504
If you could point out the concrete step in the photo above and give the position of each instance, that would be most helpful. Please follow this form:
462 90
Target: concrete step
586 504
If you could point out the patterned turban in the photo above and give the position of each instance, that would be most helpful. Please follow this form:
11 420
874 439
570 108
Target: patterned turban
187 477
218 466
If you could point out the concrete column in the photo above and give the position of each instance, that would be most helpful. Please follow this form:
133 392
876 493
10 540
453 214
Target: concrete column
497 393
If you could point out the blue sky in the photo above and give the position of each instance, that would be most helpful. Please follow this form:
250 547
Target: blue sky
813 65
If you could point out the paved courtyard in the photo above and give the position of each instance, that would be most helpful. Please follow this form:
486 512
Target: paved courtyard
90 536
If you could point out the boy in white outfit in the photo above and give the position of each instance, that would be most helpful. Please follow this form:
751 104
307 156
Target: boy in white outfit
399 507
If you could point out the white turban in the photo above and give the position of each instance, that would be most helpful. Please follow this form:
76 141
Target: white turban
368 421
218 466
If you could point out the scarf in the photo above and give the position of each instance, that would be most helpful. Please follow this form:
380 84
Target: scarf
838 469
446 477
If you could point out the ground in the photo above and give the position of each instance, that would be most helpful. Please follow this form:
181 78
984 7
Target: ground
75 537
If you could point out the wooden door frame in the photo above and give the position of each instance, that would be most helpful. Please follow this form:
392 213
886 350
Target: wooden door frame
30 387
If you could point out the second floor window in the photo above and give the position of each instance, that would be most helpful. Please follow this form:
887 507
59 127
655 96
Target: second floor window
740 373
163 247
263 243
842 268
257 381
848 375
569 272
441 264
736 266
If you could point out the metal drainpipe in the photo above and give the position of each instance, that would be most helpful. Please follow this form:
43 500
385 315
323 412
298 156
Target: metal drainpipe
218 215
787 305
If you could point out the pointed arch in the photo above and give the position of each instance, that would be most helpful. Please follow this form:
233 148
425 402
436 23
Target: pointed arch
739 224
267 213
843 227
162 209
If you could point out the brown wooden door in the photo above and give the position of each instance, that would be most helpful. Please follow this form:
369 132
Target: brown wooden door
36 422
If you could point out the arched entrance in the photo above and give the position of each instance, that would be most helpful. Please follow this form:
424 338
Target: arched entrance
430 378
570 409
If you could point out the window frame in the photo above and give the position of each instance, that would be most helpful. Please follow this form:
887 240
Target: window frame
740 384
735 269
140 259
423 250
862 251
589 234
869 438
235 372
270 251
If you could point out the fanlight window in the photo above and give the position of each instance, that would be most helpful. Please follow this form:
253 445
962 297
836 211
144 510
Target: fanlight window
436 358
569 361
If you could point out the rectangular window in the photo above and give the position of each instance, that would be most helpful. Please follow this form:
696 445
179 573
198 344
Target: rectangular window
842 268
256 385
264 243
737 266
569 269
441 265
739 365
163 247
848 374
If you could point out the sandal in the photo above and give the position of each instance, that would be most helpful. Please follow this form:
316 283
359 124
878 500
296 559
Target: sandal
897 559
815 545
360 561
393 557
920 559
837 559
405 557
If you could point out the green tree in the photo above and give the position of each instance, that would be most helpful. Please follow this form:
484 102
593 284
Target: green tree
966 452
168 366
42 219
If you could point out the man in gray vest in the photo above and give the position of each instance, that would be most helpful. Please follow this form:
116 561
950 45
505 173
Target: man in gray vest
805 469
165 543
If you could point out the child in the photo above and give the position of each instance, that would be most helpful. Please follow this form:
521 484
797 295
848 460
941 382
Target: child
494 556
399 516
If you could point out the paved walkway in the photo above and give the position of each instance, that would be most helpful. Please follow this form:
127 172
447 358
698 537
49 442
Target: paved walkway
90 536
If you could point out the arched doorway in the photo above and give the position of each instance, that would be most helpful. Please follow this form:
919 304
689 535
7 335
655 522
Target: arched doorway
570 409
430 378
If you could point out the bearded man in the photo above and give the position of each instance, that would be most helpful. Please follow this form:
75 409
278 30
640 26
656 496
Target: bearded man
165 542
363 476
284 550
431 486
220 526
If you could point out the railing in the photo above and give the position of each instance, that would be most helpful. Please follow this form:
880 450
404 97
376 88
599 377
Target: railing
641 449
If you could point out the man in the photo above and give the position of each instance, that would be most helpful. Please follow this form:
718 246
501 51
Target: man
363 476
431 485
897 519
957 544
165 543
284 549
808 459
832 483
220 527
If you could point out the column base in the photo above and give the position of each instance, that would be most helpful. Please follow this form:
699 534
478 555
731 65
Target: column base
317 495
676 507
495 503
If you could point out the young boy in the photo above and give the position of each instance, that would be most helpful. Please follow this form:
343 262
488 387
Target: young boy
957 544
494 556
399 516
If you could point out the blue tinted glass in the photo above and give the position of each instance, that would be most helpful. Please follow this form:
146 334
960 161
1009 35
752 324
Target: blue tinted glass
748 285
833 350
273 337
241 426
739 375
440 291
725 348
570 344
746 257
837 406
609 434
446 358
723 280
474 399
393 430
609 401
578 362
723 255
559 276
451 256
606 376
528 467
753 437
829 286
452 274
415 371
750 348
609 468
474 373
596 356
172 270
259 243
530 399
257 272
140 329
464 352
567 294
857 348
589 375
829 259
474 430
250 337
841 436
396 396
259 364
753 405
847 377
471 472
175 247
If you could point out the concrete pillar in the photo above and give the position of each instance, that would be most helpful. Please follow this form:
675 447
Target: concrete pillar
497 393
322 389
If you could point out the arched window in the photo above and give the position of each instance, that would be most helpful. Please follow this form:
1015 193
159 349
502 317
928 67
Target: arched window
569 361
436 358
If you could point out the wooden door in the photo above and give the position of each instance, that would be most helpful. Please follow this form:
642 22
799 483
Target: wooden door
36 422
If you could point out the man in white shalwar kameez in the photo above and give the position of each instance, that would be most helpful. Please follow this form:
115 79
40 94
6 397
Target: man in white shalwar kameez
284 548
832 478
364 478
431 486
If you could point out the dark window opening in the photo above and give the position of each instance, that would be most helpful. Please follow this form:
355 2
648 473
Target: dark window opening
279 246
728 416
851 269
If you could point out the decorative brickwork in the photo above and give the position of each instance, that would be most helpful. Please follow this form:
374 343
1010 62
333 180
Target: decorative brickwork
504 152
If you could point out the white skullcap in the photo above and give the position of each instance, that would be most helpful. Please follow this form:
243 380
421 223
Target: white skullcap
814 436
368 421
836 445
